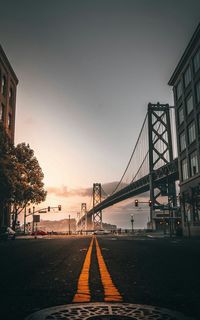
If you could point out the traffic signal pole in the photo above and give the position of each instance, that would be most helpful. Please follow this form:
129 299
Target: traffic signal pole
43 210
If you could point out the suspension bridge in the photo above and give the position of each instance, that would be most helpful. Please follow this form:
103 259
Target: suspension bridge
151 167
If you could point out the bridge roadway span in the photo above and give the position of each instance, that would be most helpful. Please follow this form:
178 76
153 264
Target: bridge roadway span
168 172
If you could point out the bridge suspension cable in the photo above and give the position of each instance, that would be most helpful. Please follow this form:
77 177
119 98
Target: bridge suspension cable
133 161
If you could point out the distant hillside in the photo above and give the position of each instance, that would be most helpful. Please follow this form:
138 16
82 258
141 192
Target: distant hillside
63 225
59 226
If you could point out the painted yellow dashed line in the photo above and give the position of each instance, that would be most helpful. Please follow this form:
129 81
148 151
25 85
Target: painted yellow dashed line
111 293
83 291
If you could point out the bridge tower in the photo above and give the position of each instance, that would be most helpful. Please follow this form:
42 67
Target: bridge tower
160 153
78 218
97 216
84 225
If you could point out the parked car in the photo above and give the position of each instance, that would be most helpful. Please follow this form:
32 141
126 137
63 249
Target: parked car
101 231
39 233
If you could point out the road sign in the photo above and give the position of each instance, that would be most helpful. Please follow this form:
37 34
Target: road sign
36 218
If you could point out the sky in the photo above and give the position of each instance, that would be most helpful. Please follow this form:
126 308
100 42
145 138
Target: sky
87 70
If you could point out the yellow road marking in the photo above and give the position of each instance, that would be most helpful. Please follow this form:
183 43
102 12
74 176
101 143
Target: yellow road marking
83 291
110 291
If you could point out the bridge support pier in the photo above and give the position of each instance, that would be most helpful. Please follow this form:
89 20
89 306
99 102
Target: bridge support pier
84 225
160 153
97 216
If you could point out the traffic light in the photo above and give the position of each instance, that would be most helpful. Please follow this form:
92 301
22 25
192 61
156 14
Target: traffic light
59 207
150 203
29 210
49 208
136 203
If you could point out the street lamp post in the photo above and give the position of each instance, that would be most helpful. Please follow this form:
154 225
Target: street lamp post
132 220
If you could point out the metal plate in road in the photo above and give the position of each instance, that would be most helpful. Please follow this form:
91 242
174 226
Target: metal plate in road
107 311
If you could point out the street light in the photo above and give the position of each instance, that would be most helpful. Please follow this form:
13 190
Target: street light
132 220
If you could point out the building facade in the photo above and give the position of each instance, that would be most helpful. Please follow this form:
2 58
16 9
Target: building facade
186 88
8 87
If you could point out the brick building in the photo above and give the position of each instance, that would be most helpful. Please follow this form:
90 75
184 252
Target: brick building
8 86
186 88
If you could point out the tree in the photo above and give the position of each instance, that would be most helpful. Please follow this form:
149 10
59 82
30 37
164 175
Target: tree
28 184
7 171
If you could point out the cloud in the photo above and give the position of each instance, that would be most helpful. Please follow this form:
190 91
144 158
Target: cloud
67 192
107 189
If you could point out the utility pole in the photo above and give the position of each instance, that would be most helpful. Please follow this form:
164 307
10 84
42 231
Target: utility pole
132 220
69 225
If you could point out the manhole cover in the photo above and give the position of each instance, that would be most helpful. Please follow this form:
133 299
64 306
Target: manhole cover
106 311
110 317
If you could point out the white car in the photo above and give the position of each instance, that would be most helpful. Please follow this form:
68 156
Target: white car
101 231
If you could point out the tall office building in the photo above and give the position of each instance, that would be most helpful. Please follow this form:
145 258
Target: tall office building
8 86
186 87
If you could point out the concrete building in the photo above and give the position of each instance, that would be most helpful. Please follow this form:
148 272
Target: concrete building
8 86
186 88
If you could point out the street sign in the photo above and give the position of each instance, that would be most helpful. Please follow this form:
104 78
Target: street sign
36 218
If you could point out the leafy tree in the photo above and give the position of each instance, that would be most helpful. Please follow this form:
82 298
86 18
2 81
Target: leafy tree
20 177
29 187
7 170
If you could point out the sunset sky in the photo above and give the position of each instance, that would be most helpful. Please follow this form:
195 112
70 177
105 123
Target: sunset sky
87 70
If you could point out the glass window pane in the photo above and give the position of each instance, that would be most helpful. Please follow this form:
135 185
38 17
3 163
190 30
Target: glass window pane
198 91
178 90
191 133
187 77
198 122
9 120
11 97
184 168
1 112
3 85
189 104
194 168
197 61
182 141
180 115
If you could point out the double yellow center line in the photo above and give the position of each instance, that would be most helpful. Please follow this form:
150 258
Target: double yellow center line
111 293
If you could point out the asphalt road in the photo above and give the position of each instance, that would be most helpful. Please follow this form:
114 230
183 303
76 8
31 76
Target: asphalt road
36 274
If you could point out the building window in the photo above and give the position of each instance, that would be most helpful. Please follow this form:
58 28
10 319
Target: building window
178 90
9 121
198 92
189 104
191 132
11 96
1 112
187 77
184 169
3 85
194 168
182 141
180 115
198 122
196 61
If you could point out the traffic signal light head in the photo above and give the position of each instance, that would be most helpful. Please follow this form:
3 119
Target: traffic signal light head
49 208
136 203
59 207
150 203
